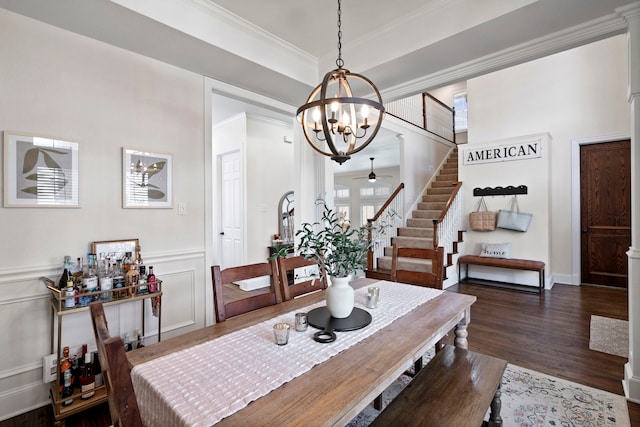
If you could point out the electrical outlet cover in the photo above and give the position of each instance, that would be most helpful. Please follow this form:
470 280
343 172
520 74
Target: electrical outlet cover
49 368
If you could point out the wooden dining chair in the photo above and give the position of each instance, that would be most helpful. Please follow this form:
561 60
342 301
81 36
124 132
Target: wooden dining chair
221 278
434 257
123 405
286 269
431 279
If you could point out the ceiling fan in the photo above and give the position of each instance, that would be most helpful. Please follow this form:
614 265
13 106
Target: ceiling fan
372 175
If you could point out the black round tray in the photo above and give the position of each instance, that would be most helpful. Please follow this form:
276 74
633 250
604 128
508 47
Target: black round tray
321 319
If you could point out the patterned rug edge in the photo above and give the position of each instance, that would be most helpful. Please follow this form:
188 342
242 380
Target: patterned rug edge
532 398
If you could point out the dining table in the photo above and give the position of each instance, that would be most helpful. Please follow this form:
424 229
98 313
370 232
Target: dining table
303 383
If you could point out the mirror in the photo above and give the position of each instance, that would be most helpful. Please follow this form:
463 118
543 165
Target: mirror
285 218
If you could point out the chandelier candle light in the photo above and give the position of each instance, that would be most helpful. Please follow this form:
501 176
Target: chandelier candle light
334 118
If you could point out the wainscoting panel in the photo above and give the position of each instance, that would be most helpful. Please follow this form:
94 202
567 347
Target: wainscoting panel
25 314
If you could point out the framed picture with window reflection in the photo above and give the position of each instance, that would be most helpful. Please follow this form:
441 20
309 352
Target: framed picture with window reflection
146 180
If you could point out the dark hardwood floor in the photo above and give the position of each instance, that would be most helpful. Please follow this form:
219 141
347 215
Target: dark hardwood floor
549 334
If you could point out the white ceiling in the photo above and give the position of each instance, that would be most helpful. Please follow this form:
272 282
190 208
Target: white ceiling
312 25
281 48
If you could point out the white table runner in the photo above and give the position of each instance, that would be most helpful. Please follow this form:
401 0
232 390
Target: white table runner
201 385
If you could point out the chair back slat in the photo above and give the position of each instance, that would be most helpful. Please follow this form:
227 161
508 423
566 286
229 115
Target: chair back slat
123 405
227 309
292 290
431 279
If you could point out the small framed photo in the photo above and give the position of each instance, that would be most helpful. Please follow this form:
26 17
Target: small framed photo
146 180
40 171
115 249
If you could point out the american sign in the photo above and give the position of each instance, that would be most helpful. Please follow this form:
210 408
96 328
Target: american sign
503 153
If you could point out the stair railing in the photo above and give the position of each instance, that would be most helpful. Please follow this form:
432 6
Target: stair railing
384 226
446 227
426 112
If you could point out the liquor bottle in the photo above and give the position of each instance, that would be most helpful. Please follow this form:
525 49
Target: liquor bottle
127 341
127 262
138 259
151 280
69 291
66 387
118 280
75 268
87 378
143 288
97 369
140 339
131 280
65 272
90 276
79 282
78 270
79 368
142 273
105 279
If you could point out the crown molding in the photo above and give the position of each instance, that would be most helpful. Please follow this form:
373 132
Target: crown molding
212 24
250 29
599 29
630 11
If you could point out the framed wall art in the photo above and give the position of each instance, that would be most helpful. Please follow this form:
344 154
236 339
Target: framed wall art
40 171
146 181
115 249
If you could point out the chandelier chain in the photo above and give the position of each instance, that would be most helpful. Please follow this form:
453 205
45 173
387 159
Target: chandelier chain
333 114
339 61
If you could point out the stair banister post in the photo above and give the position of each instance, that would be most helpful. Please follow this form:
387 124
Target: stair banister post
370 251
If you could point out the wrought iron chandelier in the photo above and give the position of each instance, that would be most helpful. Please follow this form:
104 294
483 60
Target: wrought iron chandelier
334 118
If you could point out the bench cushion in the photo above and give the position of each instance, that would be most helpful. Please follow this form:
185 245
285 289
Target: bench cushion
454 389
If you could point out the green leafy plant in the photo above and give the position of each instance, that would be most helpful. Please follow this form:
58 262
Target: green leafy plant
338 248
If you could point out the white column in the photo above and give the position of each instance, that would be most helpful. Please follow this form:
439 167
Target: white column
631 381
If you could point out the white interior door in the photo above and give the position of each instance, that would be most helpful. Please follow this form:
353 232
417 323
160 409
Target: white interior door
232 210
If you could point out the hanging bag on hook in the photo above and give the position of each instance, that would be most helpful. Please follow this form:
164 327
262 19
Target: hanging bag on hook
514 219
482 219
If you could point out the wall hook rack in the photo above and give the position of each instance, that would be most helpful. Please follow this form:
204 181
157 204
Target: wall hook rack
500 191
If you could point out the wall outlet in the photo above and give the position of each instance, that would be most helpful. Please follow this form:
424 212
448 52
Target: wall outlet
182 208
49 368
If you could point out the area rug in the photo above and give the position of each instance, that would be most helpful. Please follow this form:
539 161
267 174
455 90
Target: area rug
531 398
609 336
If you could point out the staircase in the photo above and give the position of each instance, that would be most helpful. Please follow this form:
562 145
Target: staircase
419 231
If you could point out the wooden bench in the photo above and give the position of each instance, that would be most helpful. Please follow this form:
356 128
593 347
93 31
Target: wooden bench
454 389
512 263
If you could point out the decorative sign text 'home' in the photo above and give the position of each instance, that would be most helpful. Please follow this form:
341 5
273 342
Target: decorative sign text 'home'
503 153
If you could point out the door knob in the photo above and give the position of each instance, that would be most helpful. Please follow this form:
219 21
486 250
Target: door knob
222 233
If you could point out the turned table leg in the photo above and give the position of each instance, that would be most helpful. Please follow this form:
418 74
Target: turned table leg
461 330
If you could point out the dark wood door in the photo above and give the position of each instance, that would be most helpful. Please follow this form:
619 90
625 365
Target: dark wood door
605 212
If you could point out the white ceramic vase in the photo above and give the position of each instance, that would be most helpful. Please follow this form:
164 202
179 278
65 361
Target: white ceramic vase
340 297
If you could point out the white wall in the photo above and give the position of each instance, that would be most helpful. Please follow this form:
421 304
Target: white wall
574 94
421 155
56 83
269 176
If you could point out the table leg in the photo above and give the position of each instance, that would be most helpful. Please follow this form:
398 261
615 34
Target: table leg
495 420
461 330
